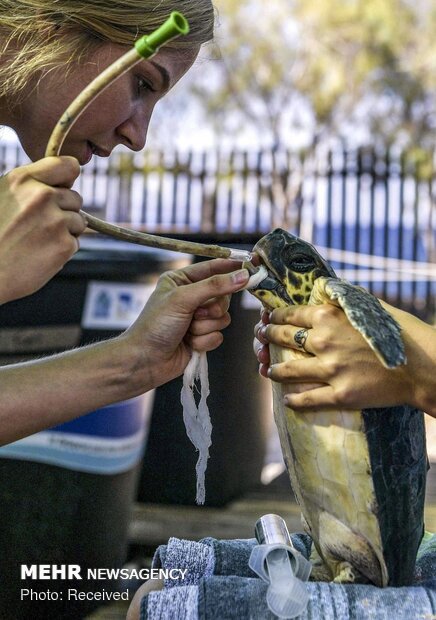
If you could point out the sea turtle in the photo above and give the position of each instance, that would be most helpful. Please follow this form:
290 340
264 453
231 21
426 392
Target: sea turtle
359 476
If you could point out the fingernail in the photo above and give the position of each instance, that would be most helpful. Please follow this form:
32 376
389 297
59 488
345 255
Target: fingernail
265 315
261 334
240 276
201 313
262 331
270 371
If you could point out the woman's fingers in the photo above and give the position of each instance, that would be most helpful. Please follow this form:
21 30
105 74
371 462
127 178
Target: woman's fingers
304 370
289 336
67 199
261 351
54 171
214 286
205 326
207 342
302 316
214 308
315 399
265 316
204 270
75 223
205 334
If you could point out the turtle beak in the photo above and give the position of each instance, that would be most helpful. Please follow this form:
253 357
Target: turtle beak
260 257
271 283
252 266
256 260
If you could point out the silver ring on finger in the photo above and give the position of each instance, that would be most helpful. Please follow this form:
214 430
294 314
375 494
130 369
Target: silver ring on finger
300 338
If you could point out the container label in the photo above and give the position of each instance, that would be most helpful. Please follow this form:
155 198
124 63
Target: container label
112 305
109 440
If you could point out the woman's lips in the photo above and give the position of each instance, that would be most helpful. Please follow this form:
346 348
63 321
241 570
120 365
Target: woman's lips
92 149
101 152
88 153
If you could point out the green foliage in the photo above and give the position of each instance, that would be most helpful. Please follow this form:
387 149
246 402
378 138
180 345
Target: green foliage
334 67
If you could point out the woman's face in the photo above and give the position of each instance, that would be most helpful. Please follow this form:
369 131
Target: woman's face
119 115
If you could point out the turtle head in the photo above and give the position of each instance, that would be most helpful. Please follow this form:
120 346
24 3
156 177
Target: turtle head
293 265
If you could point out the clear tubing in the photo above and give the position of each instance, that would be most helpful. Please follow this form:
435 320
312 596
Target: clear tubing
240 255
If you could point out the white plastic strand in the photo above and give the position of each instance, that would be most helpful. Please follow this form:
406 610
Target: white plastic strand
196 417
257 277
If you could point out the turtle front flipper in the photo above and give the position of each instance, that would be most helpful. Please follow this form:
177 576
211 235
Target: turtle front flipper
366 314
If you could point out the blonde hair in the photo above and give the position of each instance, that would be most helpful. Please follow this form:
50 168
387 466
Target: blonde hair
38 35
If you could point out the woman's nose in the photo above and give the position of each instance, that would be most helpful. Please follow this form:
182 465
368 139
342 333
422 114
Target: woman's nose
133 131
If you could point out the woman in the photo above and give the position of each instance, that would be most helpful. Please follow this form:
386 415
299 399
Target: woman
49 50
346 370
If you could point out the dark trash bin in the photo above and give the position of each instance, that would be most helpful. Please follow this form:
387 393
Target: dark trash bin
66 494
241 414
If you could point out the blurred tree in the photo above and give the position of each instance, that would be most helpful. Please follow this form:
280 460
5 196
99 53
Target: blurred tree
359 70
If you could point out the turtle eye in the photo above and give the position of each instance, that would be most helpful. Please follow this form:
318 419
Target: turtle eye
301 263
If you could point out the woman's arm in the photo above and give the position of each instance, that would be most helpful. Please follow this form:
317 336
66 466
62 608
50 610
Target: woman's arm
349 374
187 310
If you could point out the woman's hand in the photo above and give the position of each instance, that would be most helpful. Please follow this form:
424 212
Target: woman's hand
187 311
39 224
347 371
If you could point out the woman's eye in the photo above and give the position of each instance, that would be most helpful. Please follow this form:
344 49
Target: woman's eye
143 86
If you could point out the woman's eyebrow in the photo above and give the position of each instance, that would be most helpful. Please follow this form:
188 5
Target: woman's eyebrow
164 74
